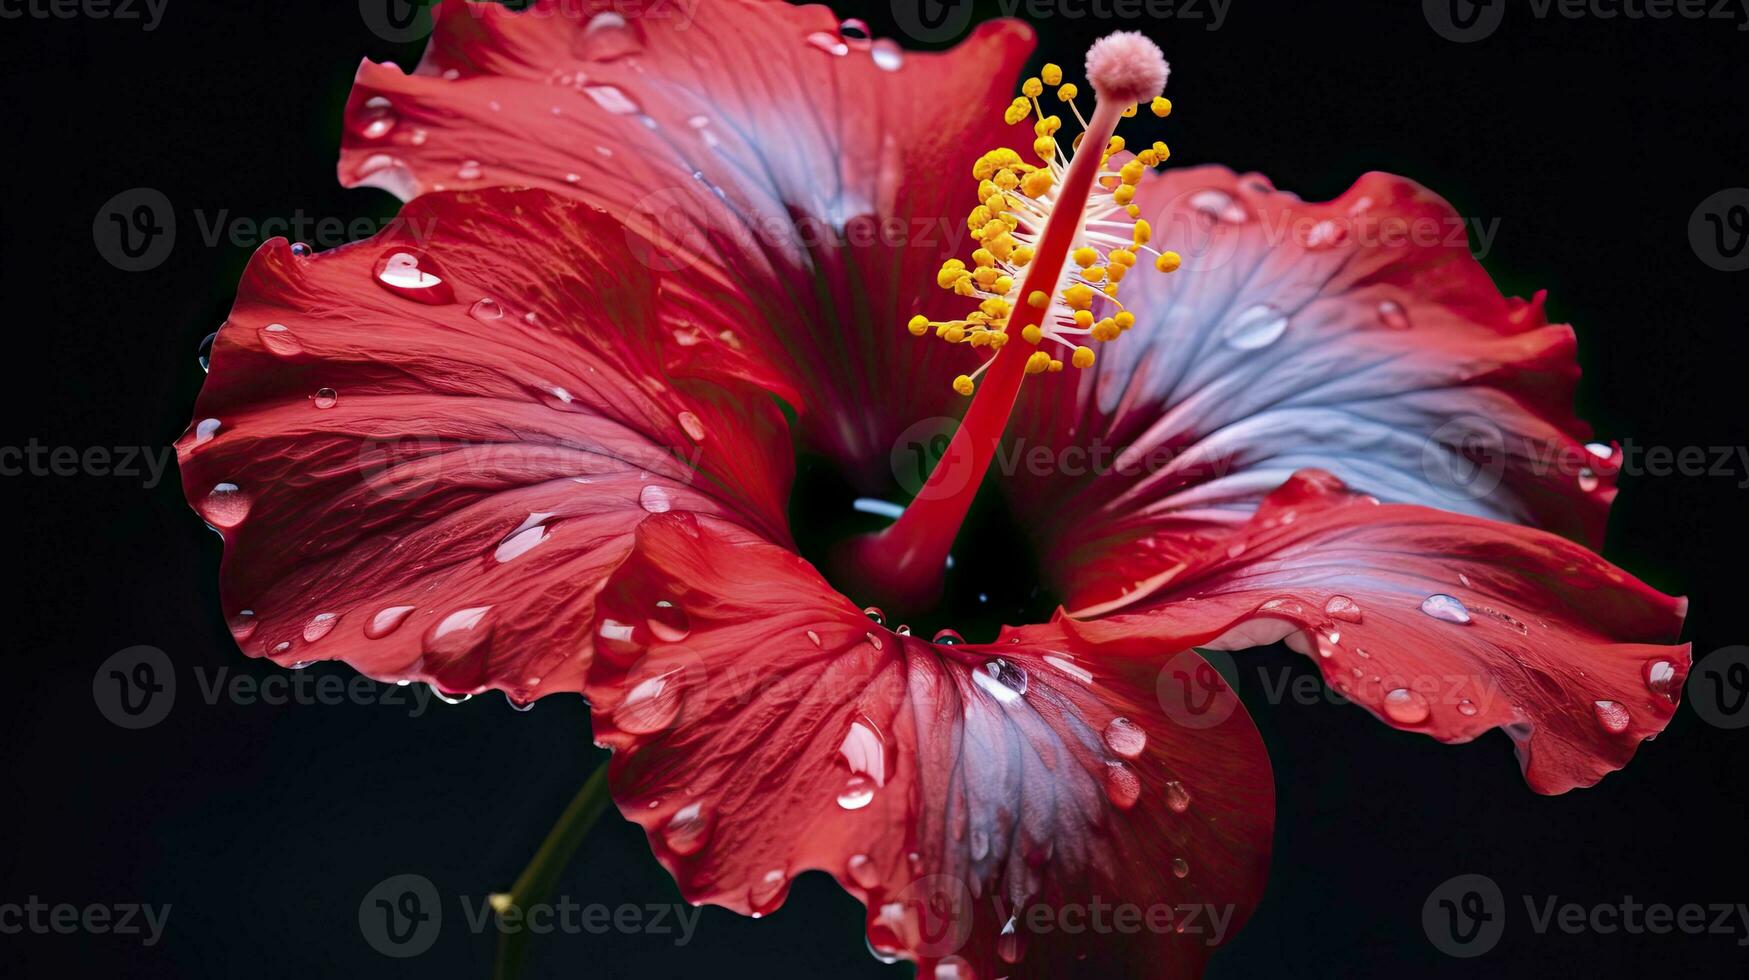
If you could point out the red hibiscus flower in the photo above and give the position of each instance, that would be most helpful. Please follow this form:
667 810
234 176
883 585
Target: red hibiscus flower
527 440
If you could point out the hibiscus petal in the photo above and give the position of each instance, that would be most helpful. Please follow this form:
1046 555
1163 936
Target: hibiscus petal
1358 336
785 168
987 802
1439 623
425 450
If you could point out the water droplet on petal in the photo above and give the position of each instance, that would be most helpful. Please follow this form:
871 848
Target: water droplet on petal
874 613
1177 797
768 892
1218 204
862 871
1406 707
1445 608
1660 675
858 792
828 42
375 118
688 830
457 633
225 506
1255 327
300 249
486 309
651 703
1612 716
278 339
669 623
954 968
1601 450
887 55
1011 942
1587 479
655 499
813 638
694 428
1467 708
325 398
608 37
1393 316
449 697
386 621
243 625
949 638
1003 680
611 98
1125 737
415 276
205 429
1122 786
469 170
204 353
320 625
1343 608
519 543
1180 867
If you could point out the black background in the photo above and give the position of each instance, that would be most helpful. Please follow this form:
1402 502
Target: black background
1591 141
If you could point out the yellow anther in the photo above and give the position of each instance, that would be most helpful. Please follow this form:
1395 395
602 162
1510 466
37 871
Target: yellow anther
1168 262
1161 105
1038 363
1047 126
1115 146
1105 330
1068 92
1032 88
1002 246
918 326
995 160
1032 333
1052 75
1129 112
1038 299
1124 193
979 217
1054 366
1083 357
983 257
1083 319
963 384
1036 183
955 333
1078 296
1143 232
1094 274
1116 272
1124 320
1084 256
1045 147
1162 151
1133 211
965 286
1007 180
995 308
1148 158
985 276
1022 255
1015 113
1132 171
1110 289
997 340
1122 256
1002 286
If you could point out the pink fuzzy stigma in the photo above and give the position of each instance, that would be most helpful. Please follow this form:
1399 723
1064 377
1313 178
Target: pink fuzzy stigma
1126 67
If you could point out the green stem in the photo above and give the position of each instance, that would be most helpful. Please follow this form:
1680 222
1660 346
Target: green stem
538 880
